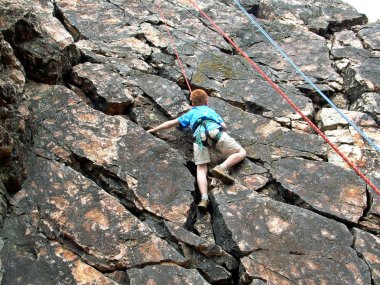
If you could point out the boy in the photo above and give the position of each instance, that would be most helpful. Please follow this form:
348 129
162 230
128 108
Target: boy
207 126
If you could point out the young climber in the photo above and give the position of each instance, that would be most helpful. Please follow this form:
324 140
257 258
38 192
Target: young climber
208 130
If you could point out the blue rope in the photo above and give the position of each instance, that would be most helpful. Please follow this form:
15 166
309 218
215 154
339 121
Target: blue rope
257 24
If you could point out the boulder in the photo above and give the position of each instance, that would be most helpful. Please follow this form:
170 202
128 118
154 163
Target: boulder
165 274
367 245
368 103
119 58
288 268
13 121
50 263
329 118
165 93
369 35
324 187
318 16
104 86
119 153
13 10
267 232
370 222
44 47
260 98
95 224
363 78
99 20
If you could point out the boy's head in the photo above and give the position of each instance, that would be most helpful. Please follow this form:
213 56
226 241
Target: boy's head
199 97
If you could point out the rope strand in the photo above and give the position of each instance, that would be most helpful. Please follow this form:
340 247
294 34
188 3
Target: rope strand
173 46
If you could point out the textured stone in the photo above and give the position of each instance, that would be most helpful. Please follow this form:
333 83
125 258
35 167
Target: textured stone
329 119
165 274
275 232
346 38
370 35
166 94
262 99
98 20
365 159
323 186
363 78
368 103
50 263
119 57
318 16
261 217
367 245
142 165
264 138
286 268
44 47
306 49
105 87
96 176
13 121
65 196
371 221
13 10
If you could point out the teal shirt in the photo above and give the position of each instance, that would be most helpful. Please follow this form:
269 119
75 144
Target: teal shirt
205 112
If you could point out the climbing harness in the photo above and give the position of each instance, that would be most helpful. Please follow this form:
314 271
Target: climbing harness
270 39
282 94
197 130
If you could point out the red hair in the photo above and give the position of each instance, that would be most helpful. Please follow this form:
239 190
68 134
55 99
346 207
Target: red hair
198 97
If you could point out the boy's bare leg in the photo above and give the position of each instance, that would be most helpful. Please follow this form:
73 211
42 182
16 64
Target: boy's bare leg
202 178
234 158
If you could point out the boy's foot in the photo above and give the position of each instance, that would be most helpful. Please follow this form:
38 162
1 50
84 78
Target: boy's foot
203 203
222 173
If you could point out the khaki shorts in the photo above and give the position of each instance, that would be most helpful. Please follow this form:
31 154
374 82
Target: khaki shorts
226 145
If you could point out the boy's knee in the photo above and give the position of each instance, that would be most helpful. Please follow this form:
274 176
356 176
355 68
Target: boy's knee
202 167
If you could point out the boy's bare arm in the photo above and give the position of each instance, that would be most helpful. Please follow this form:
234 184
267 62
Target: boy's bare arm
224 126
165 125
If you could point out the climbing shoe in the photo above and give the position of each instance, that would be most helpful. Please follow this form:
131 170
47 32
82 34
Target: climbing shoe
203 204
222 173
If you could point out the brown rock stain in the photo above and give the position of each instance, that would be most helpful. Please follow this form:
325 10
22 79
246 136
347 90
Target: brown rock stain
276 225
66 255
375 259
98 218
60 202
355 271
87 117
85 274
100 151
150 250
352 195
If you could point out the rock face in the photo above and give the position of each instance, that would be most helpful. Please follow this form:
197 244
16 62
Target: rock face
88 196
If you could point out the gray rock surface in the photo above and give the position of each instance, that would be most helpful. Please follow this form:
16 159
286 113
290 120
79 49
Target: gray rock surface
88 196
368 246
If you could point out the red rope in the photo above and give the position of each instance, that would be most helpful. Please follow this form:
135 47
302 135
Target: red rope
316 129
173 46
